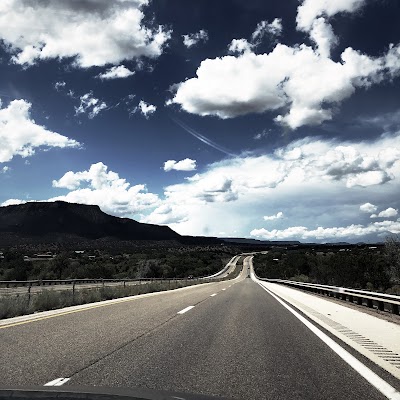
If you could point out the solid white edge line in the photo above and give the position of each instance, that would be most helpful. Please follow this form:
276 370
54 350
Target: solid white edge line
57 382
382 386
185 310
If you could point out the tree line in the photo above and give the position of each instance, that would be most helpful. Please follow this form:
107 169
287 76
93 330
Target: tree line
141 264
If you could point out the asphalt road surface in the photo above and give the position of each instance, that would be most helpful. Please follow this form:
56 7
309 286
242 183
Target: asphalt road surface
229 339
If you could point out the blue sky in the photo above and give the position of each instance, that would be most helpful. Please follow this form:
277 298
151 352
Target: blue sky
270 120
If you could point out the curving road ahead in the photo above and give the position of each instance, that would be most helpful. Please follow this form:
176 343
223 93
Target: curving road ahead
229 338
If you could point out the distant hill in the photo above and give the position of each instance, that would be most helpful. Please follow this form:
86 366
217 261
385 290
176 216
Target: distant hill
260 242
63 220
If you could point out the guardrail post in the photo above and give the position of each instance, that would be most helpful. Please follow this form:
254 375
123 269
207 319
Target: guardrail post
381 306
370 303
29 293
73 291
395 309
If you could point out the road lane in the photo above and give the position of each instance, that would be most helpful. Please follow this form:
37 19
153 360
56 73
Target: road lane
37 352
229 268
240 343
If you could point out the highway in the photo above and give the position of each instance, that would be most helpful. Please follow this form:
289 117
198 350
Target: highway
230 339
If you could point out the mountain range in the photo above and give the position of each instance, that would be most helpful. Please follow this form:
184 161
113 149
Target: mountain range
61 220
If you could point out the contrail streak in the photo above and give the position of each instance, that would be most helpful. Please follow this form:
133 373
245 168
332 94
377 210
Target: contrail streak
202 138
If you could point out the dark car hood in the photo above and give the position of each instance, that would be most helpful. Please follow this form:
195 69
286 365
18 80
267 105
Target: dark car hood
96 393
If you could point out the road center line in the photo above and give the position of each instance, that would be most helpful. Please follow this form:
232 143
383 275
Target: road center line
185 310
214 294
381 385
57 382
223 289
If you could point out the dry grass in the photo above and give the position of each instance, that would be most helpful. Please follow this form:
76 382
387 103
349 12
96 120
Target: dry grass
48 299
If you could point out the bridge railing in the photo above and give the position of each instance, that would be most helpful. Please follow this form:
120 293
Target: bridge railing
380 301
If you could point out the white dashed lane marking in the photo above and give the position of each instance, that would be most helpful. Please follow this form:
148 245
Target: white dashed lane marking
185 310
57 382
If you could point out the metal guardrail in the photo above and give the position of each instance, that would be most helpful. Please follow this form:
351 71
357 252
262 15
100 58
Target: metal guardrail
53 282
360 297
50 282
33 288
72 285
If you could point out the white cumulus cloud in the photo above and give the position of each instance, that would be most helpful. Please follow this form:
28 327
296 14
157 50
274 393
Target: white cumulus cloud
12 202
59 85
90 105
183 165
321 233
388 213
192 39
166 214
20 135
310 10
278 215
288 79
112 194
116 72
309 180
240 46
93 33
145 109
368 208
313 16
323 36
263 28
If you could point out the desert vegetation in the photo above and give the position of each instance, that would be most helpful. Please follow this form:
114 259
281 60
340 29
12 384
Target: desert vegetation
166 263
361 267
143 263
